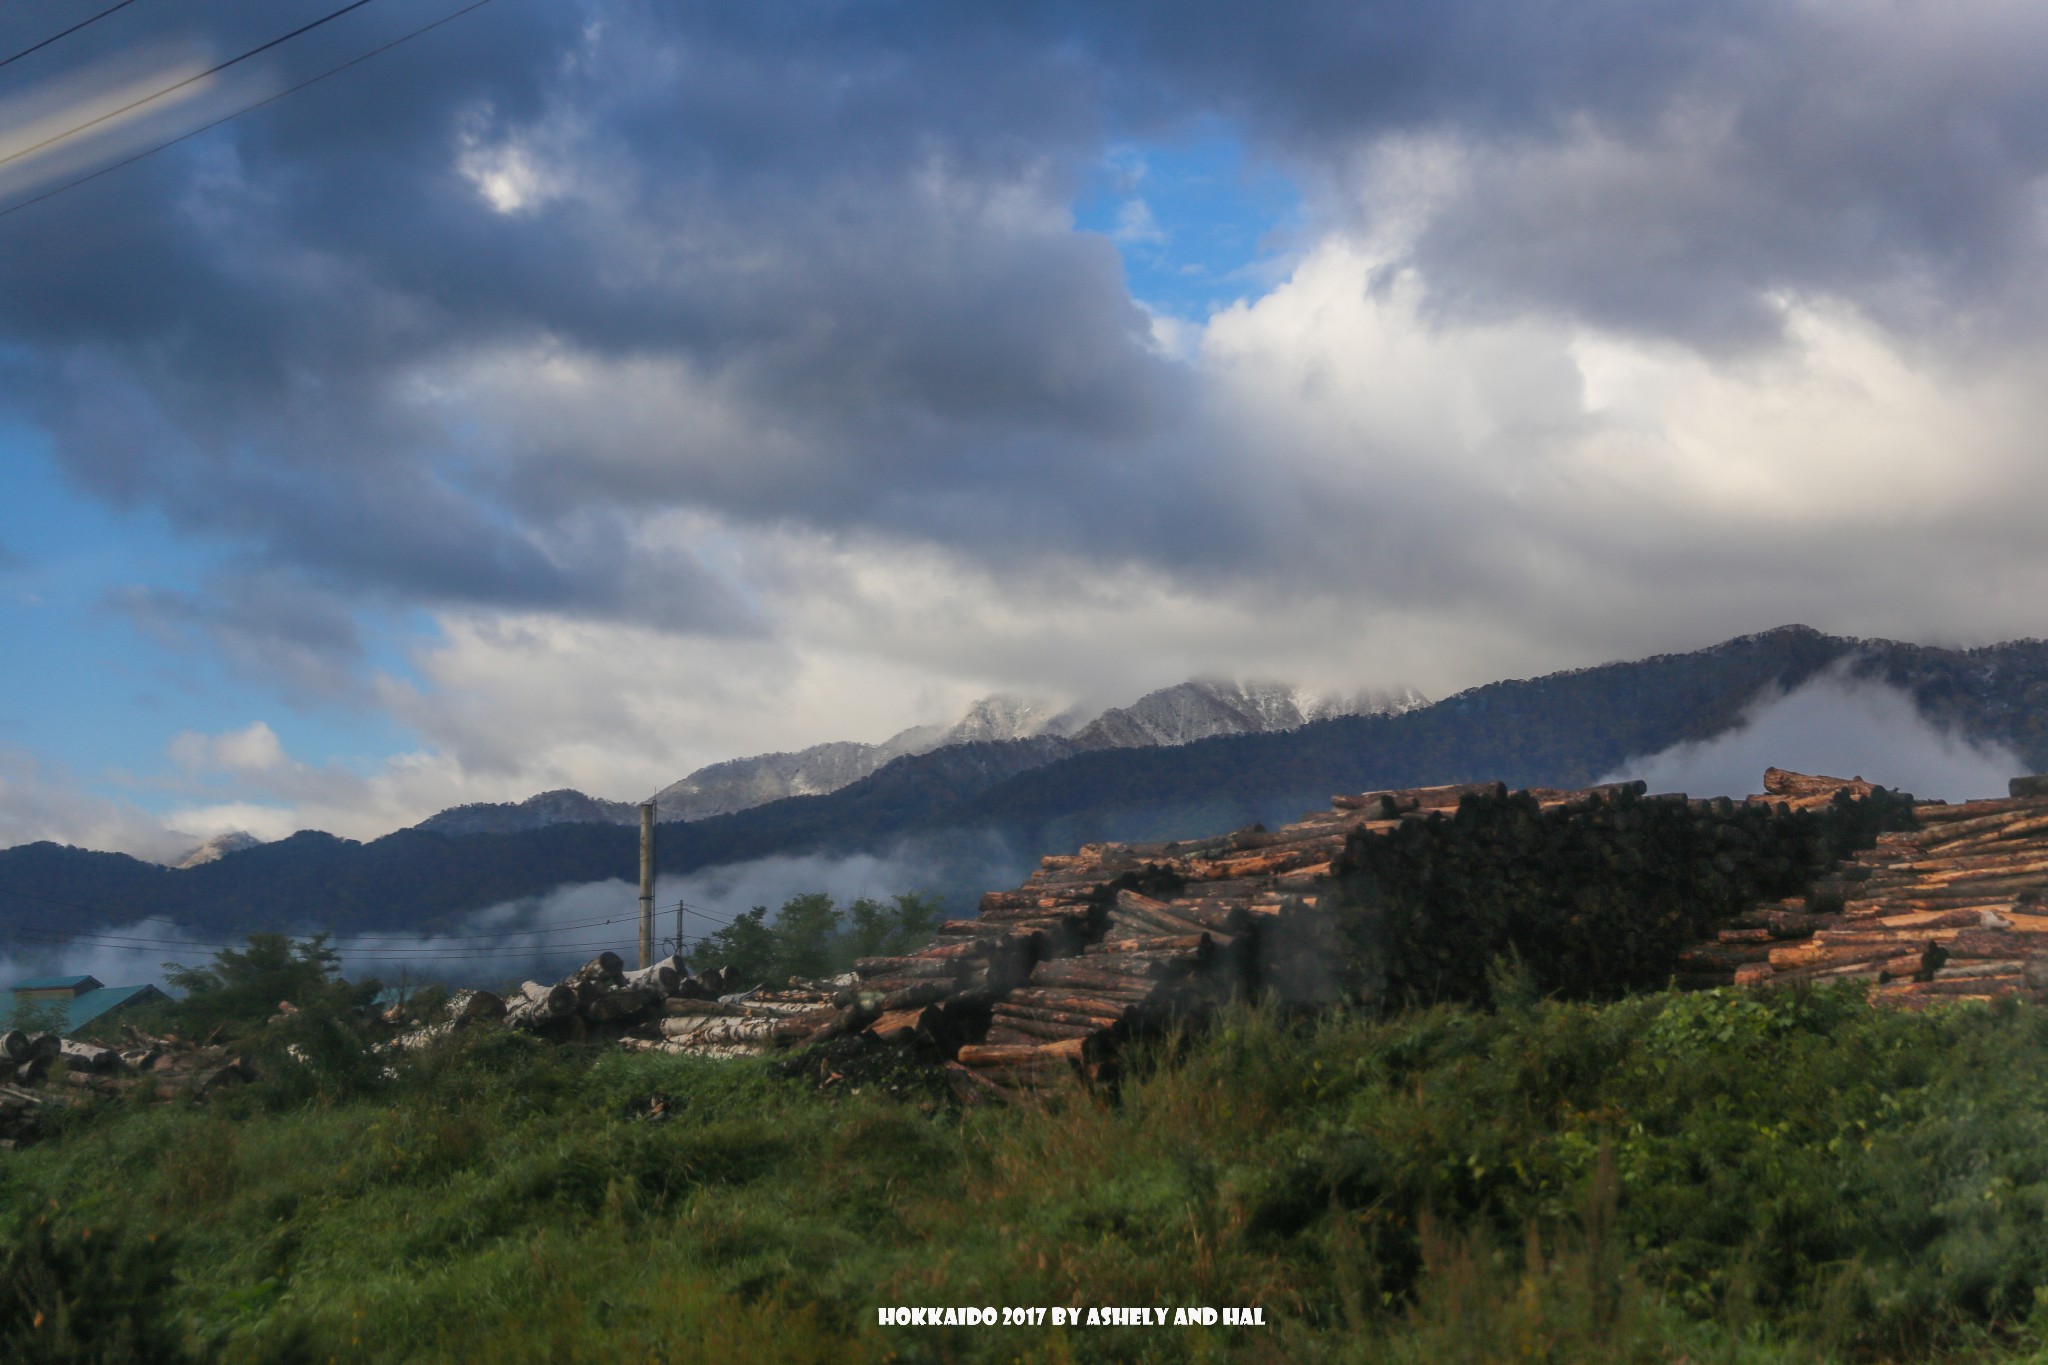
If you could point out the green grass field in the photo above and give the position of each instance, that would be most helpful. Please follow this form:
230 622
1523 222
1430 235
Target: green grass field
1700 1178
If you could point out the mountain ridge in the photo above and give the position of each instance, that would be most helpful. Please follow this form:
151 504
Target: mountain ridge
1026 797
1199 708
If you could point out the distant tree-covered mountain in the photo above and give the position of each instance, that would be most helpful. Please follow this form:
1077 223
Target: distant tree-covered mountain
1035 795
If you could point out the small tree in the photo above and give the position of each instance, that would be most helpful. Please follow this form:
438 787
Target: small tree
880 929
242 987
746 947
807 937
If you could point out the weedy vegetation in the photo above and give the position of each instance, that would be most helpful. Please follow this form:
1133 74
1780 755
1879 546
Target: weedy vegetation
1709 1177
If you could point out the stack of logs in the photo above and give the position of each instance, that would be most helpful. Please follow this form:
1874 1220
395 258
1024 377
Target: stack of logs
1956 908
167 1067
1124 937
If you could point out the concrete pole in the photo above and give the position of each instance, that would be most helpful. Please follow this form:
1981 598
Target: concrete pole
646 883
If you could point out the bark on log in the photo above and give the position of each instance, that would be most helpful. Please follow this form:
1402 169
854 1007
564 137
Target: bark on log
929 993
944 985
475 1004
1218 916
1988 967
605 966
1192 947
662 977
1937 812
679 1005
704 1028
1994 943
13 1046
1063 1002
1164 918
1012 1009
1969 986
972 929
974 1088
552 1003
905 968
1007 1030
1100 970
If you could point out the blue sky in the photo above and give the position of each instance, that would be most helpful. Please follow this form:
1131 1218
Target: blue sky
89 688
1199 223
576 395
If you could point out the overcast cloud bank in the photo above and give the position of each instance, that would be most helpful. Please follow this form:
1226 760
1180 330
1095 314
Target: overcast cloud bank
717 380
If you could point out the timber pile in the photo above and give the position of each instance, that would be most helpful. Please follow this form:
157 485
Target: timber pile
1120 939
1956 908
662 1008
42 1072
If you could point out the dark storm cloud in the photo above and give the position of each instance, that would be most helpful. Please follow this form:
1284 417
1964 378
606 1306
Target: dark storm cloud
810 262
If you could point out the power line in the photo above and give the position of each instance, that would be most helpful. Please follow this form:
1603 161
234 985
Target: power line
82 23
247 108
327 18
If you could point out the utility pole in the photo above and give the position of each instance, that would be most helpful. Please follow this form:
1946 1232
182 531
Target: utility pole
646 883
679 928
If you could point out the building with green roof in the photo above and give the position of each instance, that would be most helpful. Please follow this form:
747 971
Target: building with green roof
70 1002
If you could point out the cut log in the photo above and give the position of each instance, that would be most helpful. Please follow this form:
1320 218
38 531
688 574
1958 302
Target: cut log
1989 967
89 1056
972 1087
622 1003
901 970
1010 1028
604 967
1189 947
13 1047
474 1004
1163 918
1993 944
662 977
1017 1009
925 993
943 985
540 1005
679 1005
1097 971
1067 1002
1066 1052
704 1028
900 1026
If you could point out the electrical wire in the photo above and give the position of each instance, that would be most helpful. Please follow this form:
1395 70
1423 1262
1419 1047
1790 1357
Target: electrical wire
247 108
83 23
216 69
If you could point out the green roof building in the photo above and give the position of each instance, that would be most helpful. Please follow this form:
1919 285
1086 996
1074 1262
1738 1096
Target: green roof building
70 1002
